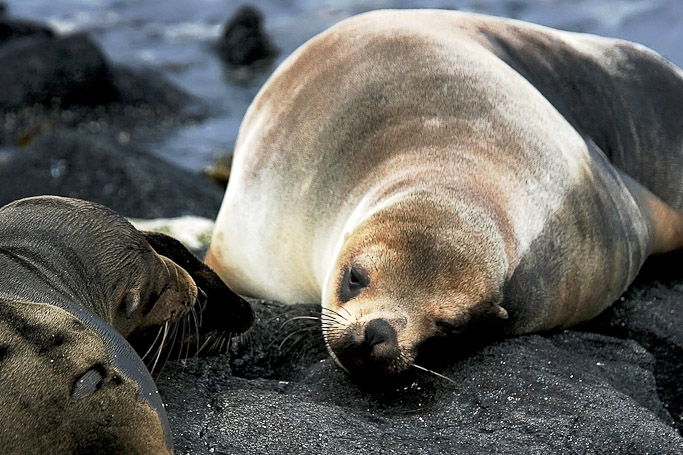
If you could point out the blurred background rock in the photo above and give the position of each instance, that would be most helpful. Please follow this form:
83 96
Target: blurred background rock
173 78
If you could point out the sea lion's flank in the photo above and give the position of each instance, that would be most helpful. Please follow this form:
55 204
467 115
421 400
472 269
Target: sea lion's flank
421 172
76 279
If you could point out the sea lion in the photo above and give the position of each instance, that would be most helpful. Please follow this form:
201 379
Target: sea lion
76 279
427 173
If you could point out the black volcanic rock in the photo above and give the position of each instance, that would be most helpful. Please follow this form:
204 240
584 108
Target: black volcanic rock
54 71
651 315
65 81
96 168
244 41
279 392
62 71
11 28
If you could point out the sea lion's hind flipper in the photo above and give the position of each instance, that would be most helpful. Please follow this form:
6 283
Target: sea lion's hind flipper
666 222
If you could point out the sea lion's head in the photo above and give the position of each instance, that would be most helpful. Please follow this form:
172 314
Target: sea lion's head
133 280
161 292
409 273
174 283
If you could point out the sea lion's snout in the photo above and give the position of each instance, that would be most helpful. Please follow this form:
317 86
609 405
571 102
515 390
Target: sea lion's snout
380 336
371 347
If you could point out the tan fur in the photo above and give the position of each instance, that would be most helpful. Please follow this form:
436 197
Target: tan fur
411 145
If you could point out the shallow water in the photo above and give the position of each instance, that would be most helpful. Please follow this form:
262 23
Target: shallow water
175 37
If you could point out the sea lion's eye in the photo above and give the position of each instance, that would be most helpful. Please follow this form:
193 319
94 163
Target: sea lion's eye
353 283
357 279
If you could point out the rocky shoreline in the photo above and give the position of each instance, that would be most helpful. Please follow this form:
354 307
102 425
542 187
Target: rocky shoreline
74 124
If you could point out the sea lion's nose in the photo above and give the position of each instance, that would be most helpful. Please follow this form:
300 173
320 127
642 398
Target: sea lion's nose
369 348
379 331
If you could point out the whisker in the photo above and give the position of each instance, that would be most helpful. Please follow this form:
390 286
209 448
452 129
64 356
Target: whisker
214 344
170 349
291 335
163 340
196 330
182 339
217 347
435 374
345 309
337 313
204 344
153 343
299 318
325 316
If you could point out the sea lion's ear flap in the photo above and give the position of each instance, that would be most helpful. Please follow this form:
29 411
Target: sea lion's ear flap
131 302
492 308
496 309
500 312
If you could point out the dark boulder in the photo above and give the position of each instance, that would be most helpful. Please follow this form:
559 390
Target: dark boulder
64 71
139 87
96 168
53 71
11 28
244 41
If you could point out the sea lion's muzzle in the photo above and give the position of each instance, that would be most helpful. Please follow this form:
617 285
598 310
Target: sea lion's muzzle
372 346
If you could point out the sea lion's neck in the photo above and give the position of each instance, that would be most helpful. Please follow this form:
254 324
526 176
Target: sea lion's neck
449 216
461 203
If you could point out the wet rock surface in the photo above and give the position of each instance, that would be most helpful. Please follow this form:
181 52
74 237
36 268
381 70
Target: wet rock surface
74 124
12 29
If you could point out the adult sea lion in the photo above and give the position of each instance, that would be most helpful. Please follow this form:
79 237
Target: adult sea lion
76 279
424 172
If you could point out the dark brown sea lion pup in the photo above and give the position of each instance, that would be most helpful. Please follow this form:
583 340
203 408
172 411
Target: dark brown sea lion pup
76 278
419 172
227 314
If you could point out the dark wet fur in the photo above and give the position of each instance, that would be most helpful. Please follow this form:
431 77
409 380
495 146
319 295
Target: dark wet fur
206 329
